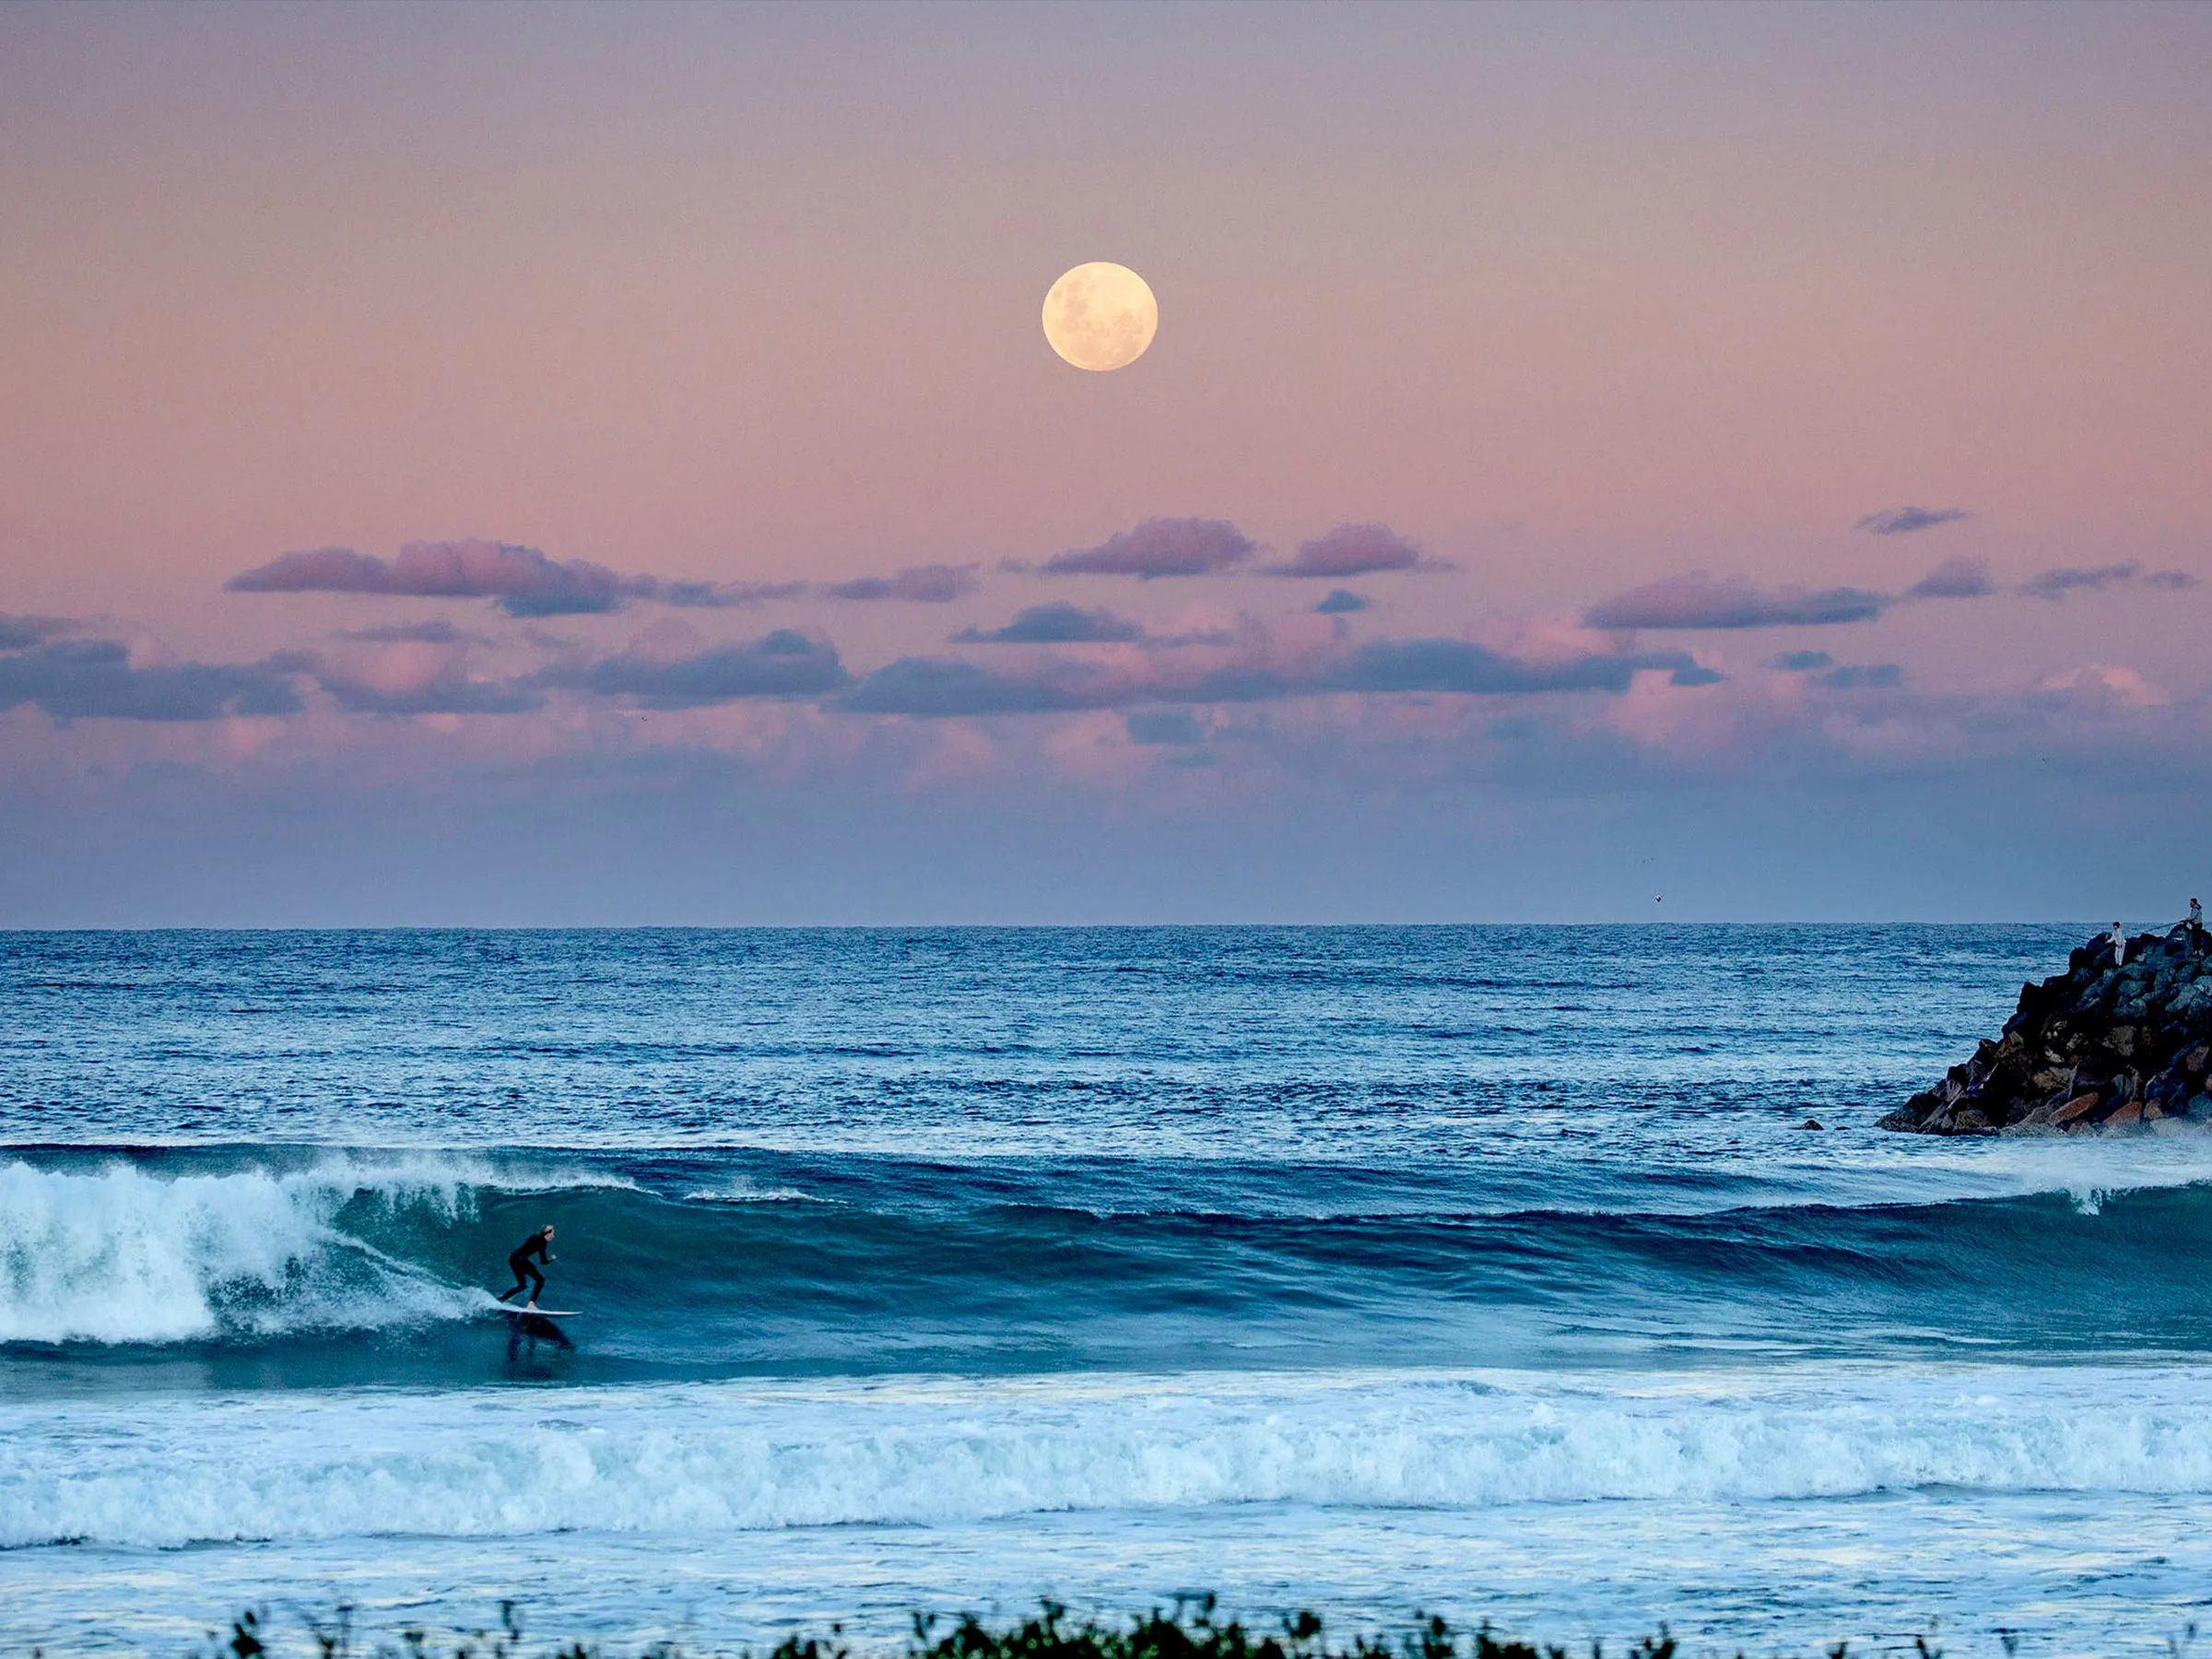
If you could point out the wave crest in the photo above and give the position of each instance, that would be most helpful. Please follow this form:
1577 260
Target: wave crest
120 1254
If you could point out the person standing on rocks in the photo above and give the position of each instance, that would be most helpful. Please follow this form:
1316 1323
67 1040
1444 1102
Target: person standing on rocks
2196 923
2119 946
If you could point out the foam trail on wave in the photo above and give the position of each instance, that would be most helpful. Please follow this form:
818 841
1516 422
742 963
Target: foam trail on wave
741 1190
723 1458
117 1254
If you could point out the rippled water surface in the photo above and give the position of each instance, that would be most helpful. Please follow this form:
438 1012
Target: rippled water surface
1488 1270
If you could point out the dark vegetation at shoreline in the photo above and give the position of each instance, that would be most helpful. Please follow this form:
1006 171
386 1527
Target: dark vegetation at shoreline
1188 1631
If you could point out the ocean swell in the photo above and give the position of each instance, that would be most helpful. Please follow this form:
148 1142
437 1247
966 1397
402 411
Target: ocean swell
929 1265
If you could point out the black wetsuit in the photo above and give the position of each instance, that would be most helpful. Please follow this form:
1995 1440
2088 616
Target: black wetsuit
535 1245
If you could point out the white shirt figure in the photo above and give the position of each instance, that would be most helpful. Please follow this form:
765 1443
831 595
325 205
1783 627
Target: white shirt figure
2196 916
2119 946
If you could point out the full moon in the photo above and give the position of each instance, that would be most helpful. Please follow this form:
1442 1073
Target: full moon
1100 316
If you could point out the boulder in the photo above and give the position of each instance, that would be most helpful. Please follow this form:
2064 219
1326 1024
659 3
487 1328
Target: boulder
2094 1047
2079 1106
2168 1086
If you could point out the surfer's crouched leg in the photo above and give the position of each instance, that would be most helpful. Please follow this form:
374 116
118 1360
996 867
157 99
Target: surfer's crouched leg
524 1273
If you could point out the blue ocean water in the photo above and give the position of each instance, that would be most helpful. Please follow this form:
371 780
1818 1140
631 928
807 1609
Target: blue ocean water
1481 1270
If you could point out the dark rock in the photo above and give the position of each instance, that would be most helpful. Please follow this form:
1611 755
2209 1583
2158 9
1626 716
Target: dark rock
2097 1046
1914 1115
2079 1106
1811 1124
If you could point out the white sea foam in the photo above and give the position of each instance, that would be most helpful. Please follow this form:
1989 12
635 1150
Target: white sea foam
118 1254
741 1190
706 1459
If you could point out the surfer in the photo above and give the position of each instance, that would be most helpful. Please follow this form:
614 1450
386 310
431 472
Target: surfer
539 1244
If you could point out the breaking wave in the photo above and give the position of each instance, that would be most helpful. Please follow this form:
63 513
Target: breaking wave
691 1267
720 1458
117 1253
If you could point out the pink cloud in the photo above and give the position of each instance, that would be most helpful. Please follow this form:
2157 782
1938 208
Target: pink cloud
783 663
419 676
1955 578
1250 666
917 585
2103 683
1699 601
1350 550
18 632
73 679
1160 546
2075 579
1058 623
521 578
527 583
1906 521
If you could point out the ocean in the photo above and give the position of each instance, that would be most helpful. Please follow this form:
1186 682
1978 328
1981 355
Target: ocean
1482 1271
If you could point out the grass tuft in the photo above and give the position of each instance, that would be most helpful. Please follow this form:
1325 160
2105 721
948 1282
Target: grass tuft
1188 1631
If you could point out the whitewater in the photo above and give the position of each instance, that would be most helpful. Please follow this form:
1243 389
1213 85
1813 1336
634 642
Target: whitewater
1483 1271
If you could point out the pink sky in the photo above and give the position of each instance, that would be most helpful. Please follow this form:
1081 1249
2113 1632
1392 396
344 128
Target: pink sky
723 312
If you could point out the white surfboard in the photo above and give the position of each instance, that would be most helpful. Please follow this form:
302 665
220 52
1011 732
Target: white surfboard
510 1308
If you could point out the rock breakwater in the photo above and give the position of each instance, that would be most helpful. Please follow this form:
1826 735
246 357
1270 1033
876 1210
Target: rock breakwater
2105 1048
